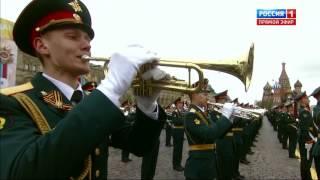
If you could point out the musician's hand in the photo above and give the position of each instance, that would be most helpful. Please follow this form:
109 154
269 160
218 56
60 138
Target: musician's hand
227 110
122 68
155 74
148 104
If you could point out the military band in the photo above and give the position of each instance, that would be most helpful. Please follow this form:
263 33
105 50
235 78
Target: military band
297 121
53 127
48 135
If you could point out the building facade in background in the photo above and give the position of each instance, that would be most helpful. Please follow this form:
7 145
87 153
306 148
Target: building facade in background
280 91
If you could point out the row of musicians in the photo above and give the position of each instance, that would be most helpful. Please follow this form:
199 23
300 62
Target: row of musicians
223 148
299 123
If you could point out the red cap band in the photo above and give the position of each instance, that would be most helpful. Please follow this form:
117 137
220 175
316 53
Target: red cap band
53 18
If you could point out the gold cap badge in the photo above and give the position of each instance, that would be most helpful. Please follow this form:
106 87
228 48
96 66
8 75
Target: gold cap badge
75 5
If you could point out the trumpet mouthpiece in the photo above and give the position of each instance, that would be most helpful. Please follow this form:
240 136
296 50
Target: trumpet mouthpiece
85 57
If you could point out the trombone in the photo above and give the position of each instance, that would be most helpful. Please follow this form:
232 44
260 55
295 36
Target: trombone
241 112
240 67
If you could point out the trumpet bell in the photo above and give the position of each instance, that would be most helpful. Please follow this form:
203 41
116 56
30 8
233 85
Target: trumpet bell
240 67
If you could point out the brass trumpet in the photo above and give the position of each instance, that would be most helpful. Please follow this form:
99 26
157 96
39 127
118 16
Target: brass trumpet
240 67
241 112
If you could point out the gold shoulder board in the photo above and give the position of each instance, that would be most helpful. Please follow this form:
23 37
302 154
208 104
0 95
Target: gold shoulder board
192 110
16 89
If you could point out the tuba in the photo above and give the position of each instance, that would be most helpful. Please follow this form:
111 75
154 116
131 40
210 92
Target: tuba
240 67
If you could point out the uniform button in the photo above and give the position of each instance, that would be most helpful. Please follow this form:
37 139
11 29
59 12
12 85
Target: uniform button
97 173
97 151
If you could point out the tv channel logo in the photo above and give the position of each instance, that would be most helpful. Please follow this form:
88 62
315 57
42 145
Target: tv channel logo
277 17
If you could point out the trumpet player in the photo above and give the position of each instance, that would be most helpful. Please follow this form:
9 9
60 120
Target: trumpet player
225 145
168 126
305 133
316 121
178 135
48 137
291 129
202 134
282 130
237 129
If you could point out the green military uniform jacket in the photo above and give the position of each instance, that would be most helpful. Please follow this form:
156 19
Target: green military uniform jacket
316 120
291 124
201 134
178 124
305 125
169 120
75 134
282 121
237 129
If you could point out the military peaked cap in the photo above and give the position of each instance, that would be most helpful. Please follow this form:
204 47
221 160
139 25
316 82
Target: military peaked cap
315 92
205 87
41 16
235 100
221 94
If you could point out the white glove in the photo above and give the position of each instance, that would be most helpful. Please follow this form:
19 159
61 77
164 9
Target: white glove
148 104
227 110
308 147
155 74
122 68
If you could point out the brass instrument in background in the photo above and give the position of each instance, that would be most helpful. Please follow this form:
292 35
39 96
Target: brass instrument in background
241 112
240 67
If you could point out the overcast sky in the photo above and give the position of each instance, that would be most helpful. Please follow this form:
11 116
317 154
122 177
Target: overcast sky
210 29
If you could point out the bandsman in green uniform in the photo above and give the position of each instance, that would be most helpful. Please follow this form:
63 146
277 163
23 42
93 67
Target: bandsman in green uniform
279 121
283 122
178 135
247 135
237 129
244 137
292 129
168 126
305 133
129 114
316 121
202 133
273 115
44 135
225 146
